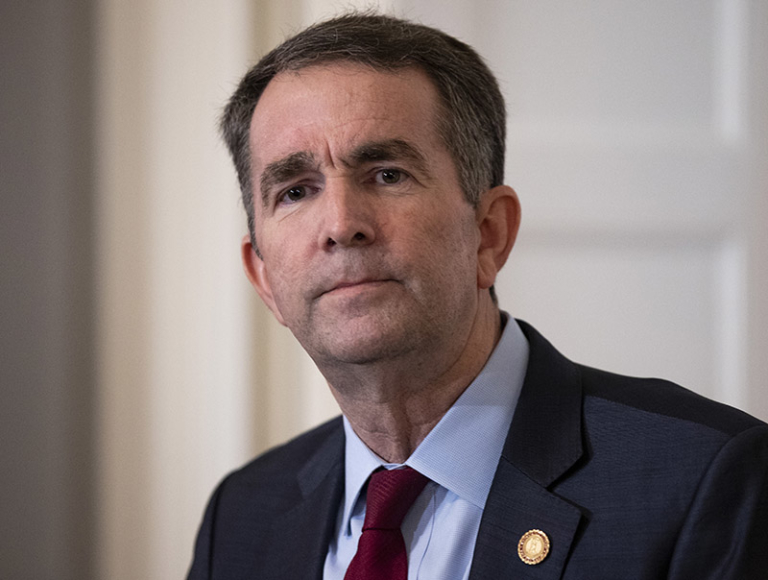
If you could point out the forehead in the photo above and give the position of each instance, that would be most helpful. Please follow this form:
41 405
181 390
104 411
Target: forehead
328 108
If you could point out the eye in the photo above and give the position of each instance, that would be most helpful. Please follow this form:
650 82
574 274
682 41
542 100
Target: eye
294 194
390 176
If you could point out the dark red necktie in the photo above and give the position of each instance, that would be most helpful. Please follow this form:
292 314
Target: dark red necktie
381 550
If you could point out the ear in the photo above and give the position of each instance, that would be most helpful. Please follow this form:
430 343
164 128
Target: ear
498 218
256 271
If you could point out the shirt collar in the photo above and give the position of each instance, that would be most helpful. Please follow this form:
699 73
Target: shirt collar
462 451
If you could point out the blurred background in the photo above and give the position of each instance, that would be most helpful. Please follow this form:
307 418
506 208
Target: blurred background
137 367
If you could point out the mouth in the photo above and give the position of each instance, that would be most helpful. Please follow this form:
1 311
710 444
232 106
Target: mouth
353 286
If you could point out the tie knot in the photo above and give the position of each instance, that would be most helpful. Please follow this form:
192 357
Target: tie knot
390 495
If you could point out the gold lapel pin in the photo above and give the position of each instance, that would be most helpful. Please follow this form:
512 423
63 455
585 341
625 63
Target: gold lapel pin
533 547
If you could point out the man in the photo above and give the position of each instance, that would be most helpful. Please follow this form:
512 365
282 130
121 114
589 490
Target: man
370 154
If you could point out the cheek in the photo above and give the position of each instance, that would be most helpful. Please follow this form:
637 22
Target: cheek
456 233
449 247
286 274
286 277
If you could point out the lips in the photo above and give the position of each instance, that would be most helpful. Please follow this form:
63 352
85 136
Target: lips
356 271
360 283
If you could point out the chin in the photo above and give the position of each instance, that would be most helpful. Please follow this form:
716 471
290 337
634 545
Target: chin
376 335
362 344
364 351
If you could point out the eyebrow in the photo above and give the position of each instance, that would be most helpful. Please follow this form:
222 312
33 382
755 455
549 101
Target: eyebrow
284 170
289 167
387 150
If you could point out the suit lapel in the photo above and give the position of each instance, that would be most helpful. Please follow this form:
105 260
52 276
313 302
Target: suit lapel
300 537
544 441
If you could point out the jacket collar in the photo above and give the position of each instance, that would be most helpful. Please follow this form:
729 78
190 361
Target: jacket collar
544 442
545 438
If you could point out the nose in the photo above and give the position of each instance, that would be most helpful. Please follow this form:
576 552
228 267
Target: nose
347 218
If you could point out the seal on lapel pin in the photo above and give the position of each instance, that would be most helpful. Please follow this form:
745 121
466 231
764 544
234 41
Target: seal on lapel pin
533 547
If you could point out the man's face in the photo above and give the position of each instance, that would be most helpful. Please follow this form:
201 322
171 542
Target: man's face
369 247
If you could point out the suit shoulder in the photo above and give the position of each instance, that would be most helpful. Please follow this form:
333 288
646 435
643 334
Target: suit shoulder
240 528
275 480
666 399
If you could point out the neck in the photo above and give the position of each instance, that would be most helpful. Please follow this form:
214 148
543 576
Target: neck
393 405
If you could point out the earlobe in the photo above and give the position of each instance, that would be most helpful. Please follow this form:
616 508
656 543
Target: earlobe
256 271
499 221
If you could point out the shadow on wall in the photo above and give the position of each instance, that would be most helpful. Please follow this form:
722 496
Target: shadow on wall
46 378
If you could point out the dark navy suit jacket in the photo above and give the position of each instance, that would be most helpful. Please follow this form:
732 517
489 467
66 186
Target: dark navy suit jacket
629 478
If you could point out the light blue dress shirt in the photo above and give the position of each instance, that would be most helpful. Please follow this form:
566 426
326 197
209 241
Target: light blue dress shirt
459 456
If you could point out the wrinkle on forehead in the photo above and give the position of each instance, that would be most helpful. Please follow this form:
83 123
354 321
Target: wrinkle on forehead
314 118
